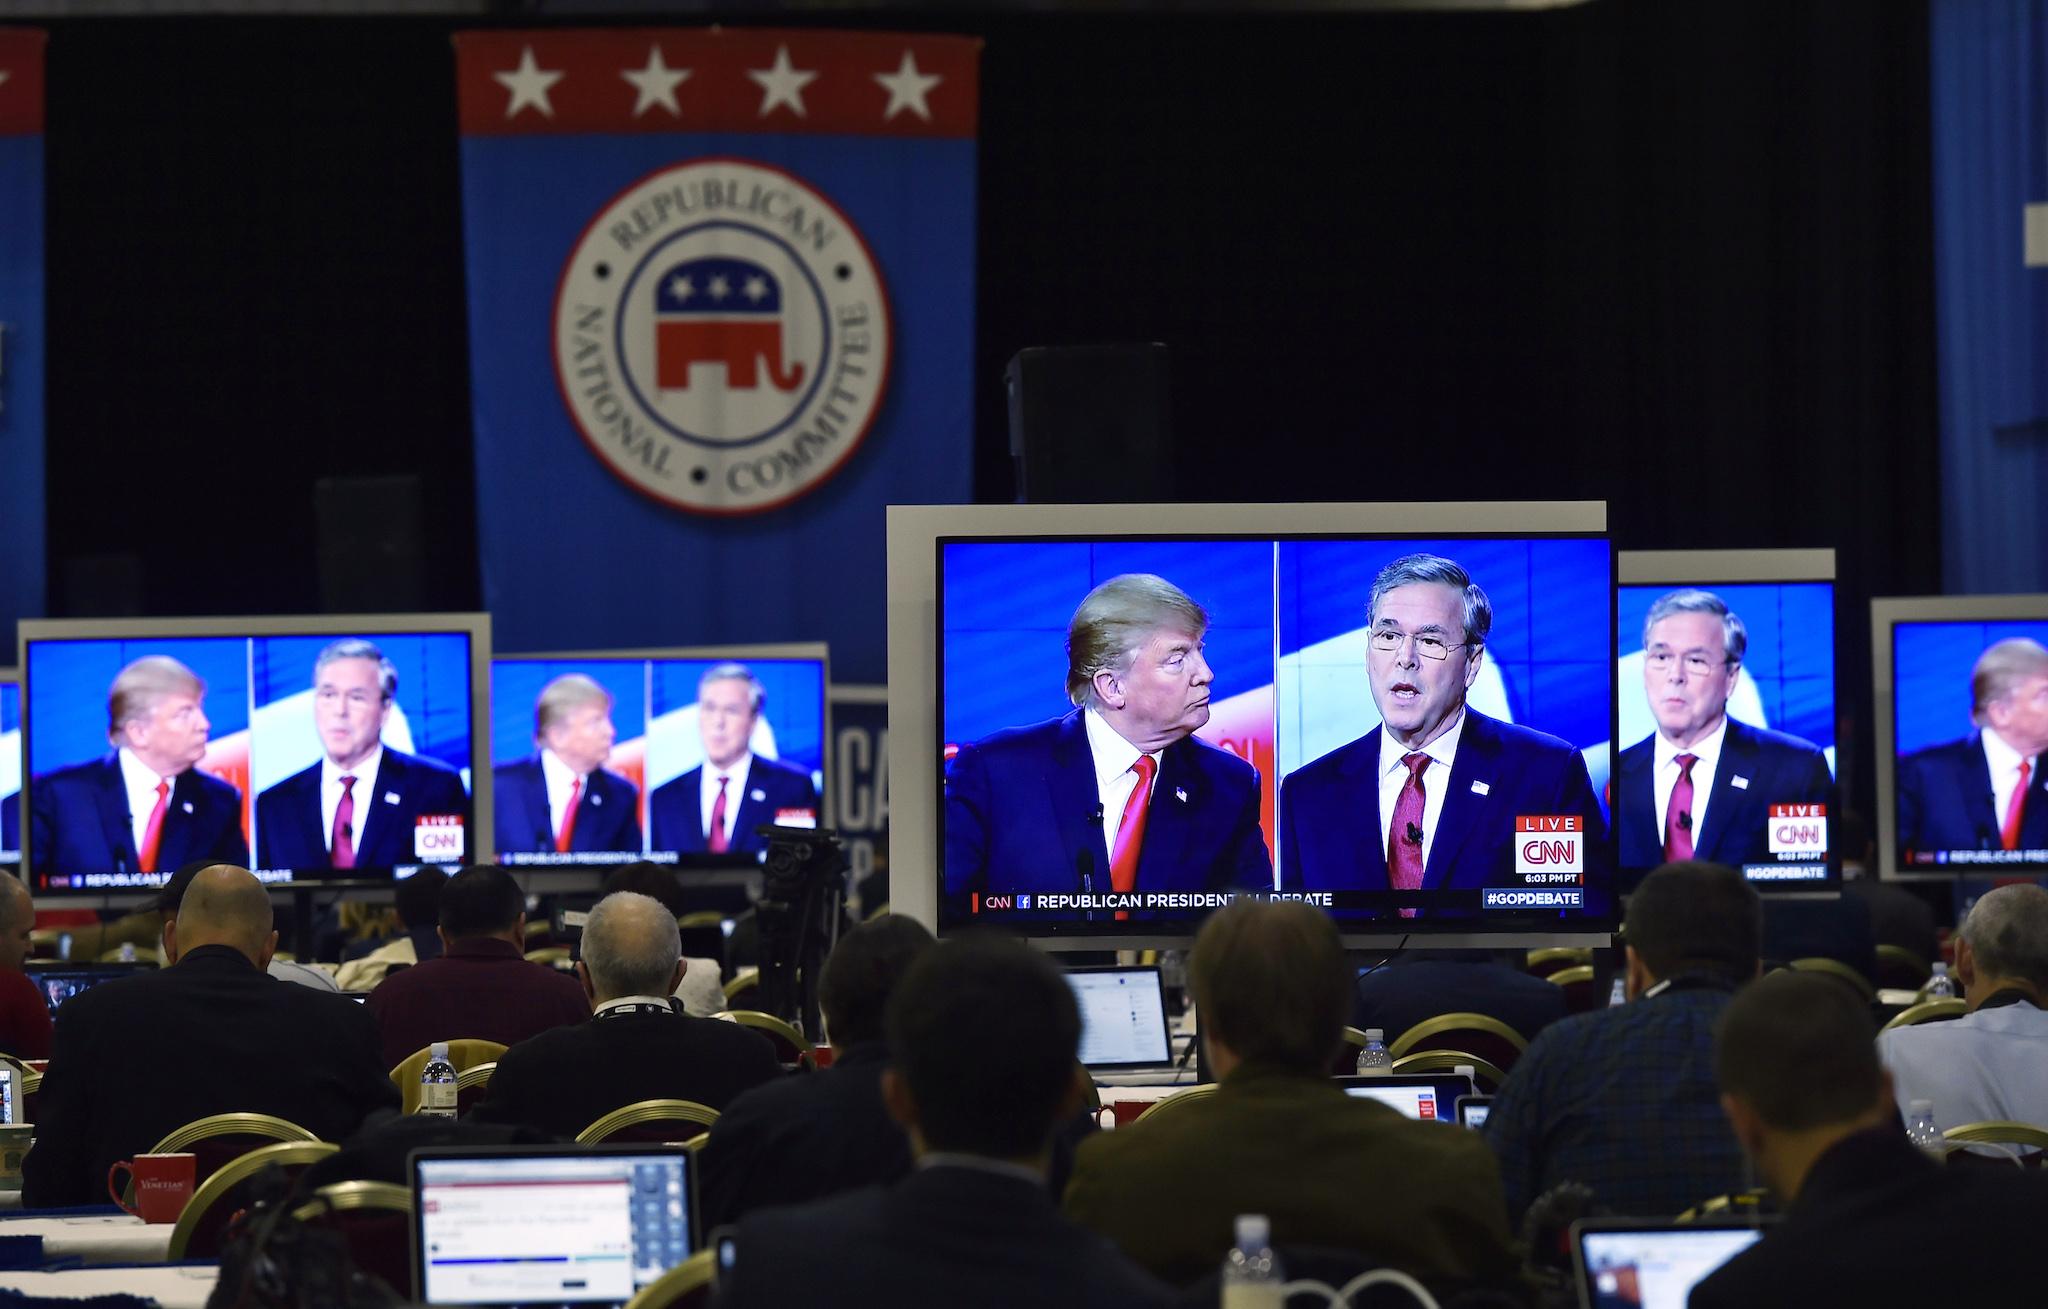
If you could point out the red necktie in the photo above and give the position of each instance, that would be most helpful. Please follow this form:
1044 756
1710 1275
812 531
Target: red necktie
714 840
1130 831
1678 813
1404 839
153 834
344 845
2016 808
569 817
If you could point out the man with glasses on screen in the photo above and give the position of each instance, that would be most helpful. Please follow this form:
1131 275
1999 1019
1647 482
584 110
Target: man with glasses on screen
1702 785
1427 801
719 806
357 807
1117 795
562 798
1986 792
145 807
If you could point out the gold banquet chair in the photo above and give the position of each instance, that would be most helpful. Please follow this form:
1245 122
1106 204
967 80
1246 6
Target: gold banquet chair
1486 1036
792 1049
651 1120
684 1286
1928 1011
375 1218
206 1215
1486 1078
1182 1098
217 1140
465 1053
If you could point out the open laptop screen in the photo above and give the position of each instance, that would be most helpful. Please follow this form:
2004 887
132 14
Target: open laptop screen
60 984
1651 1265
1123 1017
1428 1099
546 1226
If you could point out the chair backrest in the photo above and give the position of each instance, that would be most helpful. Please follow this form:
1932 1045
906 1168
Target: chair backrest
465 1054
1928 1011
1551 959
470 1084
205 1216
1999 1133
658 1117
1577 982
1345 1061
1737 1203
746 979
551 954
1484 1074
1841 972
375 1218
684 1286
1187 1097
1484 1035
219 1139
1900 969
790 1046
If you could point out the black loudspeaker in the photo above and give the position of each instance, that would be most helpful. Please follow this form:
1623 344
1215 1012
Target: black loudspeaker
372 544
1090 424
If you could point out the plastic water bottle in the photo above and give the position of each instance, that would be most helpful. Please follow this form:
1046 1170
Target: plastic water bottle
437 1083
1941 986
1920 1129
1373 1060
1251 1272
1618 994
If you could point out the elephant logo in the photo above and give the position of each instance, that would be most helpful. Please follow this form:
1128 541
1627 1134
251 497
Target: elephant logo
725 311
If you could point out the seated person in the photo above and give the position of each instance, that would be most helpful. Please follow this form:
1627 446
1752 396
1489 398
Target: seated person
702 991
138 1057
802 1138
1868 1219
417 901
24 1015
973 1224
637 1045
1623 1100
1281 1138
1417 985
481 987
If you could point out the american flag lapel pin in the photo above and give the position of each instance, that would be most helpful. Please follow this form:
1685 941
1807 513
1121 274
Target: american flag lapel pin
1739 783
187 806
1180 793
391 797
1481 788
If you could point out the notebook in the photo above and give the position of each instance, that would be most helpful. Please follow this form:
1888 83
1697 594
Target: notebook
1643 1263
548 1225
1123 1017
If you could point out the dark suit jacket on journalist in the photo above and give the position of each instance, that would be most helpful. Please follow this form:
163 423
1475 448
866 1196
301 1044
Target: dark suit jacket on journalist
79 821
289 833
607 817
1023 814
1332 837
1945 801
1778 769
675 814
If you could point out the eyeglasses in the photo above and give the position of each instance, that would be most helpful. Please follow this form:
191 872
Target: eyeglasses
1388 640
1696 665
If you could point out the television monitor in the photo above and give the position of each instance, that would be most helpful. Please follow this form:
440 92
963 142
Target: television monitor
628 734
1962 705
314 749
10 767
1726 688
1257 728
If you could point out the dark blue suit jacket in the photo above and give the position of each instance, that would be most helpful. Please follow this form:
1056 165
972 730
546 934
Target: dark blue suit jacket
1332 837
1945 801
289 832
675 818
607 817
1780 768
1023 814
79 821
1407 992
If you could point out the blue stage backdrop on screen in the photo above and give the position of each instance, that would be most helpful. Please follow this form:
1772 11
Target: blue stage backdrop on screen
68 682
1931 665
1790 663
793 702
1007 606
516 685
433 693
21 328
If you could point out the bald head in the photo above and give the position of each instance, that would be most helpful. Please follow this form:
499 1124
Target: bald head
224 905
630 947
17 920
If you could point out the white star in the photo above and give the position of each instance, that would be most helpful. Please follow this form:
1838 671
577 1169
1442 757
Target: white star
907 89
719 288
656 83
757 288
529 85
681 288
781 84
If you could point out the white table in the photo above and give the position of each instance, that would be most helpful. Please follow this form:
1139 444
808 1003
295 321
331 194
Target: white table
174 1286
96 1238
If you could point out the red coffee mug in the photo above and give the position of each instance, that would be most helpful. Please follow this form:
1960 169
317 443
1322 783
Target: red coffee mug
1127 1111
163 1183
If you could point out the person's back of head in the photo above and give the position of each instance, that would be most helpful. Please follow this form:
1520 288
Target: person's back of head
482 900
862 974
225 905
17 921
1270 983
418 899
2004 942
648 879
1693 918
630 947
1002 1100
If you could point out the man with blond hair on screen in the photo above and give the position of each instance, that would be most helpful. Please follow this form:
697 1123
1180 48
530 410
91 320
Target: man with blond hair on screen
1986 792
562 798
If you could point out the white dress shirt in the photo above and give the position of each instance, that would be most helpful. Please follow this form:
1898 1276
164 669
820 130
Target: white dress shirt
363 793
2005 775
561 783
735 792
1987 1066
139 780
1706 759
1114 781
1436 780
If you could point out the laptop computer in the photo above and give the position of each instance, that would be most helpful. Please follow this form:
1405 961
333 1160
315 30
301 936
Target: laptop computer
60 984
548 1225
1427 1097
1642 1263
1472 1110
1123 1017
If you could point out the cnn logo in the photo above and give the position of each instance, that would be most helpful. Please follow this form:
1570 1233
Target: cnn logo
1798 829
437 838
1550 843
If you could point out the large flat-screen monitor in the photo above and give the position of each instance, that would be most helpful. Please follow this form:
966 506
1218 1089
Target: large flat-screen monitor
327 749
1397 770
1962 731
10 768
1726 685
668 755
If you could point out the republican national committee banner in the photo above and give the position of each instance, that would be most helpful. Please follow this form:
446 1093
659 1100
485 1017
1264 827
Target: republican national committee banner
721 312
21 331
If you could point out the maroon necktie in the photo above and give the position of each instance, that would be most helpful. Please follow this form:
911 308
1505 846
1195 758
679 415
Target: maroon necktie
1404 839
563 837
1130 832
1678 813
153 834
345 826
714 840
2016 810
